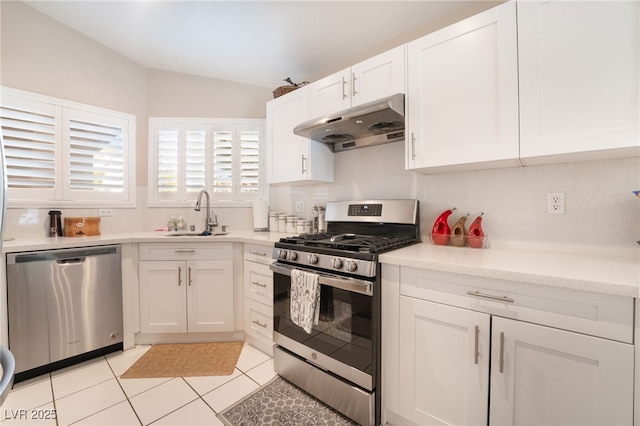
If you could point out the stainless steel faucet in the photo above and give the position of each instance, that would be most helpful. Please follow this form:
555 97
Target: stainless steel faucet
209 224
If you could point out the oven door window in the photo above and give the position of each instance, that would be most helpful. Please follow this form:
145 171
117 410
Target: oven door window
344 329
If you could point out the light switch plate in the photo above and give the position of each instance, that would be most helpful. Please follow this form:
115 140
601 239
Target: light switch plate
105 212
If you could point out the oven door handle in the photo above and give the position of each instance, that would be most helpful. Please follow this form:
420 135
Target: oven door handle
344 283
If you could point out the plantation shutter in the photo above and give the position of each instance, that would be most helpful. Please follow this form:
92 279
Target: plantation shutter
250 162
195 162
29 131
223 141
167 162
95 155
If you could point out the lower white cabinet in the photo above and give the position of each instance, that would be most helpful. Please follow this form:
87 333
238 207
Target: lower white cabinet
258 297
186 288
469 352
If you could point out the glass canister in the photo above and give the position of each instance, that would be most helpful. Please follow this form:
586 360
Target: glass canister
303 226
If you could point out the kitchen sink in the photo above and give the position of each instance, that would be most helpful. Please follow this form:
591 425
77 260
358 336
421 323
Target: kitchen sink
192 234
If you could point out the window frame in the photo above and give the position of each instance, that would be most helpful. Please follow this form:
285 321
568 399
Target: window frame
182 198
64 113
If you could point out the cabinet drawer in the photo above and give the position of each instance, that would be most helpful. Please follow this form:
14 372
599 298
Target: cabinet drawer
595 314
258 320
258 282
257 253
186 251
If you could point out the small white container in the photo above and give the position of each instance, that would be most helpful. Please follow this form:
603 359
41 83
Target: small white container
291 224
282 223
303 226
273 221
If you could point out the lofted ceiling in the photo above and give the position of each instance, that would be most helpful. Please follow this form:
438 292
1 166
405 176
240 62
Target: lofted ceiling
252 42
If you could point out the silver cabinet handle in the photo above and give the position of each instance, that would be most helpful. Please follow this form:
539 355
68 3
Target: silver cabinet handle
490 296
256 322
344 91
259 253
184 251
258 283
475 350
353 85
304 162
179 276
189 276
413 146
501 366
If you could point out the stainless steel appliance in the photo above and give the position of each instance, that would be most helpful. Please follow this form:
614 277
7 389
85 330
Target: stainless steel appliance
373 123
62 304
339 361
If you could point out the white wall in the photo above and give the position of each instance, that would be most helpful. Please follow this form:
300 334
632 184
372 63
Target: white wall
602 214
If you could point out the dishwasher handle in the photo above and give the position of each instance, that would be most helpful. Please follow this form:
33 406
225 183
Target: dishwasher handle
61 256
71 260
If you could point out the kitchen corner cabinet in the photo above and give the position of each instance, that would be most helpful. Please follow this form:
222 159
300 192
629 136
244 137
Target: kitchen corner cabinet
258 297
186 287
481 351
579 85
292 158
462 95
375 78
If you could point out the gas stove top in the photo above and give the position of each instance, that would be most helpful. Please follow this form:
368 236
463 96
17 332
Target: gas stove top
357 231
350 242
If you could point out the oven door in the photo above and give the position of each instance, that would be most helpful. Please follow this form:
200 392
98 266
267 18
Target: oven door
343 341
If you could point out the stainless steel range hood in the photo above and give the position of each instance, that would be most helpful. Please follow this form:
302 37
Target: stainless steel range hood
373 123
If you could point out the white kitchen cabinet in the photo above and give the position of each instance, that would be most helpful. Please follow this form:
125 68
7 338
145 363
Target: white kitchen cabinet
292 158
579 85
546 376
462 95
258 297
375 78
539 355
186 288
442 380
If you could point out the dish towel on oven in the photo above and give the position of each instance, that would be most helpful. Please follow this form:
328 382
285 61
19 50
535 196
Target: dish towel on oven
305 299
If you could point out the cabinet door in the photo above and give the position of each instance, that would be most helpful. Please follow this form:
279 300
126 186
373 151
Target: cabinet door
162 297
210 295
378 77
330 94
462 94
578 80
444 364
292 158
545 376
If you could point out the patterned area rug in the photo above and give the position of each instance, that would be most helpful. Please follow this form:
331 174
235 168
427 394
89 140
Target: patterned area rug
283 404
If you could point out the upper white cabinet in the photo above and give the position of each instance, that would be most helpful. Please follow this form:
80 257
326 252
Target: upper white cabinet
292 158
462 94
578 80
377 77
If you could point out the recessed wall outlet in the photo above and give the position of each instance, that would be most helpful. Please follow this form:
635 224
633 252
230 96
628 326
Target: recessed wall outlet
299 206
105 212
555 203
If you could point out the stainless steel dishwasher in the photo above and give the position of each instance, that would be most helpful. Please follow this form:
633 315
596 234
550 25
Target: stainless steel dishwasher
63 303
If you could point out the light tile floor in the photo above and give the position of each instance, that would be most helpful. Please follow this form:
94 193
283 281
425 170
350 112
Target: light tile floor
92 393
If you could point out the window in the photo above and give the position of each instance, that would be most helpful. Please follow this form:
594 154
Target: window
60 153
222 156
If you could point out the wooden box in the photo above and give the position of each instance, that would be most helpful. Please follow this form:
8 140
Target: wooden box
81 226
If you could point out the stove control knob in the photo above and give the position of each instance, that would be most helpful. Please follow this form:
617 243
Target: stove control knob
351 266
313 259
337 263
292 255
282 254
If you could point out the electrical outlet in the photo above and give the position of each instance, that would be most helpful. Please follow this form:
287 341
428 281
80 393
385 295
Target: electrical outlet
105 212
299 206
555 203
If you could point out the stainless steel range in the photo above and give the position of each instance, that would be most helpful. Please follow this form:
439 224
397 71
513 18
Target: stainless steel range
339 360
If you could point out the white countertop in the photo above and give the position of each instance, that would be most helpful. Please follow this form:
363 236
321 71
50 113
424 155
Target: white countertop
588 272
46 243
